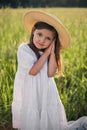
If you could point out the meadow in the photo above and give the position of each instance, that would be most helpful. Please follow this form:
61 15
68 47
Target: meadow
73 86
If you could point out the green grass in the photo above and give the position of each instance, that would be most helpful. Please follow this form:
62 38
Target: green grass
73 87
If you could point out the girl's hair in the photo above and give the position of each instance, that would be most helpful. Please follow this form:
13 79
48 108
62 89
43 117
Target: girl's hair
43 25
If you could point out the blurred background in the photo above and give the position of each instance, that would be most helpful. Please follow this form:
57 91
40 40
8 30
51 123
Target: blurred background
73 86
43 3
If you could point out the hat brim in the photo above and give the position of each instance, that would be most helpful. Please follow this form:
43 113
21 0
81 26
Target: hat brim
31 17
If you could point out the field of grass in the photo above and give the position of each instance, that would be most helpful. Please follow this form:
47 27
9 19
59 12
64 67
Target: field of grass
73 87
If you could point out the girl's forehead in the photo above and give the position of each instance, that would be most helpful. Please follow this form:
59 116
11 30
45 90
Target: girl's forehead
46 32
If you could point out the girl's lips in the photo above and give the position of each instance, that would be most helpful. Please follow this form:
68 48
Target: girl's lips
40 46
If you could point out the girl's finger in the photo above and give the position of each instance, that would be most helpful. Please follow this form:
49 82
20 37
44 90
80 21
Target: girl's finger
53 45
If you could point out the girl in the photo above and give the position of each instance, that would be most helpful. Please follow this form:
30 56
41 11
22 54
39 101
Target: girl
36 102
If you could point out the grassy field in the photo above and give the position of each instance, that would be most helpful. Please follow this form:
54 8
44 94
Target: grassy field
73 87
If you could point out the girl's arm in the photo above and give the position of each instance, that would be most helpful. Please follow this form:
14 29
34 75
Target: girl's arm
52 64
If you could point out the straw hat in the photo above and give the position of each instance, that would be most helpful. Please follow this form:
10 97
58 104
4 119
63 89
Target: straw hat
33 16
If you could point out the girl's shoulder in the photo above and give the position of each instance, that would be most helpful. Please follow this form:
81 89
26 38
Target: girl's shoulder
24 47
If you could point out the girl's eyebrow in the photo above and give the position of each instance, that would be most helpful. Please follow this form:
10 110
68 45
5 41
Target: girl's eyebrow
39 33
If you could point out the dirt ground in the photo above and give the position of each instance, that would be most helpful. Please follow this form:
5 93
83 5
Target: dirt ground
6 127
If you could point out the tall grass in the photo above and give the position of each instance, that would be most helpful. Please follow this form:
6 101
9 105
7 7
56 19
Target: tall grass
73 87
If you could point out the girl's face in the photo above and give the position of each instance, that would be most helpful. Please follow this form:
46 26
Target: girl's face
42 38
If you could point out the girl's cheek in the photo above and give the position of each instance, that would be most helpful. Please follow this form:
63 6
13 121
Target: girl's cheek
36 39
48 44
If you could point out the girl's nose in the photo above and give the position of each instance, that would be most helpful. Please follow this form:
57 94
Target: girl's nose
42 40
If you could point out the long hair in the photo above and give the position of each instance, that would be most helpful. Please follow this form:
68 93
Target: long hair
43 25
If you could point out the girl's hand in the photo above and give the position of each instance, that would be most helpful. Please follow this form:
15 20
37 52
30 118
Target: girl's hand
50 48
53 47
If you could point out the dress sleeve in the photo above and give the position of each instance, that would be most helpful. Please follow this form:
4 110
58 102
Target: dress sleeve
25 59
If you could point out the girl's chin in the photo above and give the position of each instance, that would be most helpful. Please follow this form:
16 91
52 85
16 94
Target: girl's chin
41 48
38 47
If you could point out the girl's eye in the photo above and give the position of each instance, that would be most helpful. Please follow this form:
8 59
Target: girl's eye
48 38
39 34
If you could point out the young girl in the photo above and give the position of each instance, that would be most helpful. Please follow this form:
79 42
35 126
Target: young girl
36 102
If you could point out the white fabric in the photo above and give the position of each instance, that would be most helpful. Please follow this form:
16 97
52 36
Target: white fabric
36 102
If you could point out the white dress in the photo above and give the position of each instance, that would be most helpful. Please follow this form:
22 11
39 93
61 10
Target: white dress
36 103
